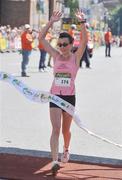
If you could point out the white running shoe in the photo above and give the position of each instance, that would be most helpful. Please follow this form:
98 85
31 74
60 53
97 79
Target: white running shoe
65 156
55 168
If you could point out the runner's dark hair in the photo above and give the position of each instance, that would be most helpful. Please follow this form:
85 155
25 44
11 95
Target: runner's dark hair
67 35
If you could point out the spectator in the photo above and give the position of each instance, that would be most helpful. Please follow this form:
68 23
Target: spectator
86 57
42 65
26 41
108 41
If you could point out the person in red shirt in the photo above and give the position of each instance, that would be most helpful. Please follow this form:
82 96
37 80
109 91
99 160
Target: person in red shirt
108 41
26 42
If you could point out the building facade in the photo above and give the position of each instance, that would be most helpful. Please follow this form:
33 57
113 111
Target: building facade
14 13
33 12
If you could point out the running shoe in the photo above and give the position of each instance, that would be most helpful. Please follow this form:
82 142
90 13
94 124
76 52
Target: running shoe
23 74
65 156
55 169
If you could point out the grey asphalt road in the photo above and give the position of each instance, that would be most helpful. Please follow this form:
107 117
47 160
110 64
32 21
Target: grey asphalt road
25 124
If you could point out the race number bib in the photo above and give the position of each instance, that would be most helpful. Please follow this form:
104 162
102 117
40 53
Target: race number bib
63 79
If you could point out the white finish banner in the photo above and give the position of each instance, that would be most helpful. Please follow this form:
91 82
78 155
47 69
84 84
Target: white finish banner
44 97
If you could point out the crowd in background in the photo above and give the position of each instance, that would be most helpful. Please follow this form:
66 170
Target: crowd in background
10 39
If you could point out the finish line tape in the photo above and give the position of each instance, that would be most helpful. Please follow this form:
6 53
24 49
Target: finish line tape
44 97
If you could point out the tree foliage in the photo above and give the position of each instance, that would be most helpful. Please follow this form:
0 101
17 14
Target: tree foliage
73 5
116 21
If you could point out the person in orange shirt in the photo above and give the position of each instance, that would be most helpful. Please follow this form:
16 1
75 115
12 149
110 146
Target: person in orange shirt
42 65
108 41
72 30
86 57
26 42
43 53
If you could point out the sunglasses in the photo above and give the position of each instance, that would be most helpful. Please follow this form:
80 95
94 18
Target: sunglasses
63 44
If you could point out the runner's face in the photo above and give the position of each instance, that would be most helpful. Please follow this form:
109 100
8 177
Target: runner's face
64 45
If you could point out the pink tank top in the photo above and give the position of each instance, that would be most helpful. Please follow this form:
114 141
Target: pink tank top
64 76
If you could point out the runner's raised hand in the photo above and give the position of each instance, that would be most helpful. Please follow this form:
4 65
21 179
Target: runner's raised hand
80 15
55 16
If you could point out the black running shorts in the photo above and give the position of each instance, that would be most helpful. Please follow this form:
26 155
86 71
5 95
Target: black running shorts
71 99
